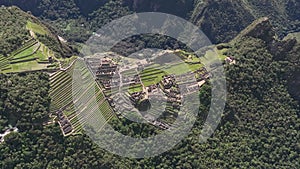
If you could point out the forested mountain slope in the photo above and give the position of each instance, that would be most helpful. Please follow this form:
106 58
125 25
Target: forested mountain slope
286 51
259 127
221 20
15 32
224 19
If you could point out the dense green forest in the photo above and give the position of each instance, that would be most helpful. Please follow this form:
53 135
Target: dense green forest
222 20
9 43
24 100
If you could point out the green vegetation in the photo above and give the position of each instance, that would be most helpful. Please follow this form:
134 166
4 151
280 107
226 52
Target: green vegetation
61 90
4 63
222 53
25 66
135 88
13 32
180 68
36 28
153 74
259 127
150 76
65 62
27 52
27 95
223 20
62 98
30 57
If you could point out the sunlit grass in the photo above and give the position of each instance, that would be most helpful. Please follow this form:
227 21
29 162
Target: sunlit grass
36 28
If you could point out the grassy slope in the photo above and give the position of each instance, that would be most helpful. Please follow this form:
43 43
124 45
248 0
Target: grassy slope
36 28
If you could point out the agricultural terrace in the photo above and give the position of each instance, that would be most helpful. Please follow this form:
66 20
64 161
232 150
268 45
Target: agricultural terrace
4 63
62 99
153 73
33 55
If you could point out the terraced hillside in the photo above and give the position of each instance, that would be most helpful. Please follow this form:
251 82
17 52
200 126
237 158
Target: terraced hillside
4 63
18 27
32 56
27 44
61 93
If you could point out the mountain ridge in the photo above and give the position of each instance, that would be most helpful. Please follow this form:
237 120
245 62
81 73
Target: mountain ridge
221 20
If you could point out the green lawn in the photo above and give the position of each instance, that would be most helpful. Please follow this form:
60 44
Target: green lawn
151 81
177 69
26 52
182 68
135 88
153 74
27 62
26 66
40 55
23 61
36 28
194 67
